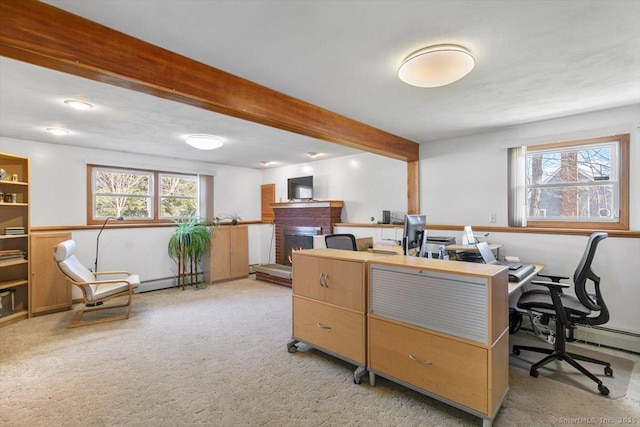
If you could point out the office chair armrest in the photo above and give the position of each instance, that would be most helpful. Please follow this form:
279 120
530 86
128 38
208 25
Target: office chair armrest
551 285
555 289
554 277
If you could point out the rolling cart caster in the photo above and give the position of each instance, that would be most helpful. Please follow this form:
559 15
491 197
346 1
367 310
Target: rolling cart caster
291 346
603 390
608 371
534 373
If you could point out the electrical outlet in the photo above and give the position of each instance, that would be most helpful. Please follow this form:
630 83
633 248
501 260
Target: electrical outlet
492 218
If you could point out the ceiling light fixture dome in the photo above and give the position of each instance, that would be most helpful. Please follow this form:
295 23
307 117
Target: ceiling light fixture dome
205 142
77 104
436 66
58 131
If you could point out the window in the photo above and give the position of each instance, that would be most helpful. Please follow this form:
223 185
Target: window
574 184
140 195
178 196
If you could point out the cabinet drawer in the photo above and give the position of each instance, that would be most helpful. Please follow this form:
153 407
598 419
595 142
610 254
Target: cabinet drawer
456 371
330 280
329 327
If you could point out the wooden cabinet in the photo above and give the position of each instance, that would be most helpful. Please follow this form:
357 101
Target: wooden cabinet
14 239
329 303
441 328
50 289
228 257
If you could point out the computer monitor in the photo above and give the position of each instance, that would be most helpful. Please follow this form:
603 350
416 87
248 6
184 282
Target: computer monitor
415 235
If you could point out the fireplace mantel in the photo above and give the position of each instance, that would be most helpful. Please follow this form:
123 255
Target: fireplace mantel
309 204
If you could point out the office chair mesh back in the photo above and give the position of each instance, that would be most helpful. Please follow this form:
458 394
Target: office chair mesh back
583 273
341 241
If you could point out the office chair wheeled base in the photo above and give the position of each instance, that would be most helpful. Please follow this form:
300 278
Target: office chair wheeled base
569 358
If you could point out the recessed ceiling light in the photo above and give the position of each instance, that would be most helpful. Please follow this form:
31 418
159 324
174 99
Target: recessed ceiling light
312 154
266 162
58 131
78 105
205 142
436 66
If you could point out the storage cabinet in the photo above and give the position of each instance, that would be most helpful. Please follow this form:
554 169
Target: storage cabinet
14 239
50 289
441 328
329 303
228 256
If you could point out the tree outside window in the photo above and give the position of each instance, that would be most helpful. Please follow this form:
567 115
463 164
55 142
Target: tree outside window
142 195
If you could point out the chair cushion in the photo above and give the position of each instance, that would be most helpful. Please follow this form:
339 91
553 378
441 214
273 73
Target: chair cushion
540 301
103 291
64 250
76 270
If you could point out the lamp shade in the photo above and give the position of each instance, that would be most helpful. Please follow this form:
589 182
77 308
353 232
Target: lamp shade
436 66
204 142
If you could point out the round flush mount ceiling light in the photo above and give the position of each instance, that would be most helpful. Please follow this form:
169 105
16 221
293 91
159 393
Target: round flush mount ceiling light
205 142
58 131
77 104
436 66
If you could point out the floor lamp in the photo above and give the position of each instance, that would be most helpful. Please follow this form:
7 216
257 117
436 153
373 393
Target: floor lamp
95 265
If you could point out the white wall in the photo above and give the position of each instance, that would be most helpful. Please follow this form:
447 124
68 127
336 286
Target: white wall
367 183
58 198
464 180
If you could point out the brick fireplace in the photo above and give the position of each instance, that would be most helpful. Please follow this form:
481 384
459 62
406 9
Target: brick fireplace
296 223
318 215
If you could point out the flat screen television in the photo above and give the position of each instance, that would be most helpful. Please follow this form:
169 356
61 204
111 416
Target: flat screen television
300 188
414 236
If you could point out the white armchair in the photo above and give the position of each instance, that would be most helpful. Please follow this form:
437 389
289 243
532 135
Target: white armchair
120 283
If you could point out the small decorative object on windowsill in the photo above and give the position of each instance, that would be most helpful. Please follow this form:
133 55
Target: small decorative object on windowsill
233 216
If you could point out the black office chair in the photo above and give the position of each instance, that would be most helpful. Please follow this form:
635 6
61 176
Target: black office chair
569 311
341 241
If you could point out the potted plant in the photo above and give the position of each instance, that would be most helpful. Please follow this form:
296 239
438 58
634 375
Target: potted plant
233 216
187 245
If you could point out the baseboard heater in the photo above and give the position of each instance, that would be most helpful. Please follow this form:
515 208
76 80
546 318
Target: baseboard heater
602 336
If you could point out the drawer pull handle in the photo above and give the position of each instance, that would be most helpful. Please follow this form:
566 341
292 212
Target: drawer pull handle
424 362
324 280
321 326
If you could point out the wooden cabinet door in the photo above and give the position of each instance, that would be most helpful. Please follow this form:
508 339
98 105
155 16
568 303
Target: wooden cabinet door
50 289
220 255
238 252
329 280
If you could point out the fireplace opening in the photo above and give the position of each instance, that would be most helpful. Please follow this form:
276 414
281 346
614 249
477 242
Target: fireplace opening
295 239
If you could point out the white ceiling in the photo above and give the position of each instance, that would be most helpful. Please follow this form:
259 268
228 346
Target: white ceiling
535 60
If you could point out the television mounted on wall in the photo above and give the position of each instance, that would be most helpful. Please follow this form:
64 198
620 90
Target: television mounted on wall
300 188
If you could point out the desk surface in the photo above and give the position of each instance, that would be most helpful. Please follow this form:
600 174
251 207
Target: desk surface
514 286
471 248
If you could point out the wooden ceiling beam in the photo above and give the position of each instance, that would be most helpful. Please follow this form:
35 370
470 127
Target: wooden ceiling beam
40 34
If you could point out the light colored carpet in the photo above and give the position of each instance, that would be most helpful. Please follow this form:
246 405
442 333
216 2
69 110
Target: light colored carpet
218 357
618 384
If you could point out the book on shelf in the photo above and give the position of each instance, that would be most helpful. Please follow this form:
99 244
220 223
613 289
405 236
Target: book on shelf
13 231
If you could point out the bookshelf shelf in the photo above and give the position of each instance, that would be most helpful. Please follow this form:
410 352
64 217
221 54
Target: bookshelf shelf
15 287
